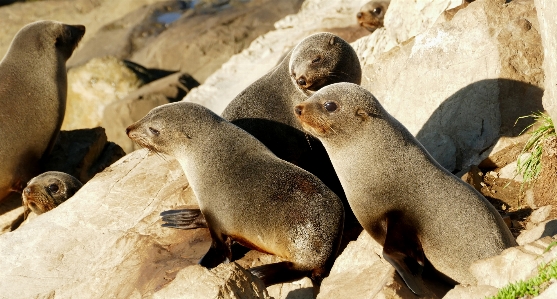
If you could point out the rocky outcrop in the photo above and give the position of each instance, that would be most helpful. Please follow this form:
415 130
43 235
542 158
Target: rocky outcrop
226 281
546 10
467 80
105 241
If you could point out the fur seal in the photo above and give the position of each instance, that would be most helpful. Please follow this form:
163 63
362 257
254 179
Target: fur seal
264 109
402 197
371 15
48 190
246 194
33 88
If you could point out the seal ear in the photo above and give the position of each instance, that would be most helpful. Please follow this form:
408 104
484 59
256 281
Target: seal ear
332 40
364 115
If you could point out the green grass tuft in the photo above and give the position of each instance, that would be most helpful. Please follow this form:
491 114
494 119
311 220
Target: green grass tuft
531 287
531 167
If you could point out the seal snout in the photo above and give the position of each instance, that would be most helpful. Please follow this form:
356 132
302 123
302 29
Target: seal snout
299 109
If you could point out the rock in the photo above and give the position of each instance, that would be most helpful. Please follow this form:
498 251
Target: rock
122 37
120 114
226 281
92 14
543 229
484 40
92 87
351 274
549 293
540 214
105 241
513 264
510 171
471 292
82 153
504 152
300 289
201 41
546 10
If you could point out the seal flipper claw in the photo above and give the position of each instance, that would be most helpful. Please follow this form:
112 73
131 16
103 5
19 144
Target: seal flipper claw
278 273
184 219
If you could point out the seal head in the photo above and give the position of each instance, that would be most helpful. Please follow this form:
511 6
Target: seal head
48 190
371 15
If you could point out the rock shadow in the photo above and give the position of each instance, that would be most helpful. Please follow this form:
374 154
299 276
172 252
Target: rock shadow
470 121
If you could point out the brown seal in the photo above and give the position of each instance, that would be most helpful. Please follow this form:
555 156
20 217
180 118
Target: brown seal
402 197
371 15
33 89
246 194
48 190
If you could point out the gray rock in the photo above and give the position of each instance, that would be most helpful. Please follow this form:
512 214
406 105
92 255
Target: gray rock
201 41
226 281
485 40
105 241
513 264
540 214
543 229
471 292
546 10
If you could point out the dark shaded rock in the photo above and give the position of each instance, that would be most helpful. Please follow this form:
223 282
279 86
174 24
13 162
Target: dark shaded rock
82 153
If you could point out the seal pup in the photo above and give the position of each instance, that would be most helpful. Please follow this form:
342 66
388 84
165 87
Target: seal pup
264 109
402 197
48 190
246 194
33 86
371 15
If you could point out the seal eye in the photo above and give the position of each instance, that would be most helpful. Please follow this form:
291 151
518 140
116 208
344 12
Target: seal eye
330 106
377 10
154 131
53 188
316 60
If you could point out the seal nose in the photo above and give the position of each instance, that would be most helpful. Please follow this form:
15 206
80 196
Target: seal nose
299 109
359 15
26 191
128 129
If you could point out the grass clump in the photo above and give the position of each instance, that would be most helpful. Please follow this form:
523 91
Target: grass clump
531 287
531 166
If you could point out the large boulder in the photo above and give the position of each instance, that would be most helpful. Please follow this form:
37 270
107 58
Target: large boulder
547 9
107 240
463 83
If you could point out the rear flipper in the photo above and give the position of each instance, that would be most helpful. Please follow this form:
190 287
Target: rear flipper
278 273
184 219
404 251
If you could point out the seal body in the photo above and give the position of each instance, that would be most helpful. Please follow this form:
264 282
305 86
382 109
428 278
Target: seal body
264 109
33 86
402 197
48 190
371 15
246 194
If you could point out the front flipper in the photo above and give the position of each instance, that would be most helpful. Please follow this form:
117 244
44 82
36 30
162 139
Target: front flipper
278 273
404 251
219 252
184 219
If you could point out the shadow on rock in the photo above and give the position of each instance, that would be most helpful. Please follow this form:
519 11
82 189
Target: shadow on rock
469 122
